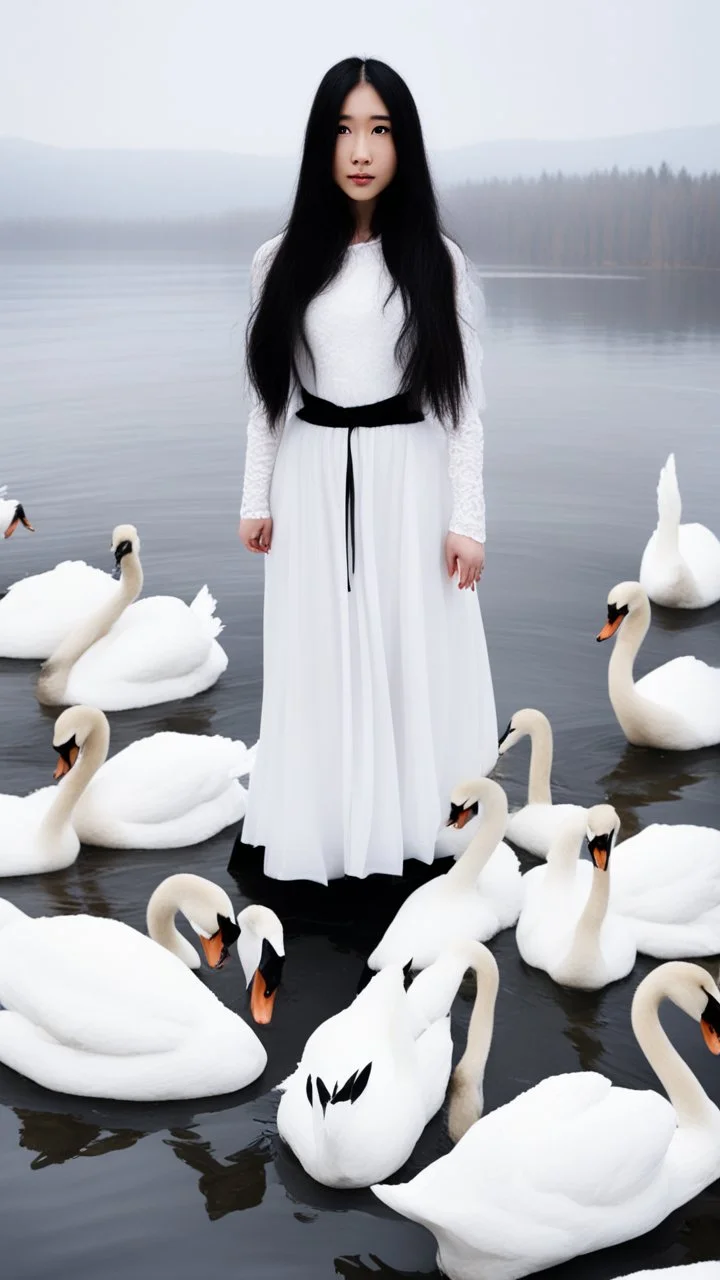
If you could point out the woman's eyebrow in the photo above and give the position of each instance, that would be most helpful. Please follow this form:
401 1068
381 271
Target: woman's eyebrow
346 117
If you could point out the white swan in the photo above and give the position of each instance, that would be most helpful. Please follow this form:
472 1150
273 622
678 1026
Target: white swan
166 791
665 883
371 1077
39 611
37 831
576 1164
93 1007
680 566
659 894
12 513
534 826
564 926
676 706
136 654
475 899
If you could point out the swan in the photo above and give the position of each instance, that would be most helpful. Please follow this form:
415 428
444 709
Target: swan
166 791
676 706
371 1077
564 926
37 832
660 890
12 514
680 566
575 1164
477 897
136 654
38 612
533 827
93 1007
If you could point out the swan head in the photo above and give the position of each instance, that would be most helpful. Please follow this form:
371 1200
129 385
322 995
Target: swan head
72 730
521 724
209 912
466 797
603 825
625 598
17 517
693 990
261 948
125 541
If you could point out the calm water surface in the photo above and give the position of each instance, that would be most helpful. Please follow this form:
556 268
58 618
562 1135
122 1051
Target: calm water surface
121 399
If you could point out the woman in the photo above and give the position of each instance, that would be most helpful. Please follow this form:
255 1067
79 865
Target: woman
363 482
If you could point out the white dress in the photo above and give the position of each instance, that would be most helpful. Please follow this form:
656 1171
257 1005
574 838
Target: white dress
377 700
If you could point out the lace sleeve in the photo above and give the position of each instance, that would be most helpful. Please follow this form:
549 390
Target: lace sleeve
466 442
262 444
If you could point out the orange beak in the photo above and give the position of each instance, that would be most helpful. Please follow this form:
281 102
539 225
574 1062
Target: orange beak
710 1036
610 628
14 524
464 816
64 766
261 1005
213 948
600 858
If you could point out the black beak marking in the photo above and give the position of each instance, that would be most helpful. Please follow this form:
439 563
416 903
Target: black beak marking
122 549
65 748
457 809
711 1014
270 967
601 844
506 734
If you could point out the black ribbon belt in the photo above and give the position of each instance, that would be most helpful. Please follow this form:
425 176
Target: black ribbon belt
383 413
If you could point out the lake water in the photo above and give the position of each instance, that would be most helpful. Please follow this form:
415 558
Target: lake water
121 399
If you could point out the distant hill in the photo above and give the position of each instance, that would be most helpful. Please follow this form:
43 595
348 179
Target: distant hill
43 181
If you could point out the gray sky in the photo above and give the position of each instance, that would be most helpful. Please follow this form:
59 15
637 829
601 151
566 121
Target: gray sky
239 76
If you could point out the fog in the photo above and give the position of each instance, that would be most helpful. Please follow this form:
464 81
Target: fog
225 74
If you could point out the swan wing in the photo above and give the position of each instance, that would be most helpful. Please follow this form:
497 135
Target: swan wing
165 776
156 639
667 873
535 826
700 549
39 611
99 985
691 690
562 1150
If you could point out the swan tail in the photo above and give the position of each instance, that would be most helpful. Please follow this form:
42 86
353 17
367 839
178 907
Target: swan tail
203 606
668 497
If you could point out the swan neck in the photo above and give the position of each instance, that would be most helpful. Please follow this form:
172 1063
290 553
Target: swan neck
162 909
483 844
541 756
466 1102
99 623
681 1085
627 645
92 755
586 939
564 852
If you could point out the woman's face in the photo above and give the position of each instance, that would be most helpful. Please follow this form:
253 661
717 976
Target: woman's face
364 145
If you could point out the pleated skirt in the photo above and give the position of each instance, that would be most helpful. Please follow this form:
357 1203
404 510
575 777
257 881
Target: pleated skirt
378 700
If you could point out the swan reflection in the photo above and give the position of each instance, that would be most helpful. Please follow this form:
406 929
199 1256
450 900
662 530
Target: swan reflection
226 1188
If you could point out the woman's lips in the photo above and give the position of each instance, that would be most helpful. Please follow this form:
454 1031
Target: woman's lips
362 182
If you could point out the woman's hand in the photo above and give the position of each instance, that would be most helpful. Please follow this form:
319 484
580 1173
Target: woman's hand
467 556
256 535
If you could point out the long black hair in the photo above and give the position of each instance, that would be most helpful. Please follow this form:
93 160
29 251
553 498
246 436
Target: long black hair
316 236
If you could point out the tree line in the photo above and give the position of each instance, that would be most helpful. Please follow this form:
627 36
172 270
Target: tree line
613 219
610 219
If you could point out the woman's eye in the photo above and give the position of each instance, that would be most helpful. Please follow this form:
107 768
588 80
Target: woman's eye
377 126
